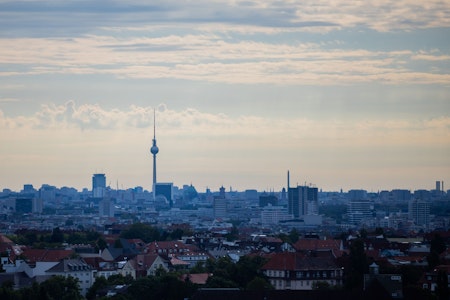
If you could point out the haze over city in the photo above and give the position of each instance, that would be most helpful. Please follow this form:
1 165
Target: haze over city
343 94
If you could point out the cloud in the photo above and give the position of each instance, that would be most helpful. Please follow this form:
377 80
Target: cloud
212 149
192 122
208 57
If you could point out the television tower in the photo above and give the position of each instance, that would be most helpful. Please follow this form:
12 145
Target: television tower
154 149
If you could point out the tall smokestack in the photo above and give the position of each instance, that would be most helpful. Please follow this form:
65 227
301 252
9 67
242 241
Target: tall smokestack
288 180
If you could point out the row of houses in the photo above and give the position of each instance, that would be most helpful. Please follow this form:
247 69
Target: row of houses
304 265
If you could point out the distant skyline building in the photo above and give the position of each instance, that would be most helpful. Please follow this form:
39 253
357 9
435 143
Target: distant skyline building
154 150
163 190
358 211
303 200
419 212
98 185
106 207
220 204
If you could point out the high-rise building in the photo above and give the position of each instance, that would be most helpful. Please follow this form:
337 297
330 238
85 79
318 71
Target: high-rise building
419 212
358 211
220 207
106 207
220 204
98 185
163 190
302 200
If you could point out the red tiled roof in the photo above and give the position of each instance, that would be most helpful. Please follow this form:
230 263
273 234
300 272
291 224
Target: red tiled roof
299 261
54 255
153 247
315 244
196 278
282 261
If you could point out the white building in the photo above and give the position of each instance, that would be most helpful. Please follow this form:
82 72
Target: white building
76 268
273 214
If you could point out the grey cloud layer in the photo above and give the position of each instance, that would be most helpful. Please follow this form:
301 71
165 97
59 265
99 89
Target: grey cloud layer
53 18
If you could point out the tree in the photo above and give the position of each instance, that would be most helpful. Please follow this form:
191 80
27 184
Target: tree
437 244
357 265
101 243
141 231
100 283
442 285
59 287
321 285
57 236
294 236
258 284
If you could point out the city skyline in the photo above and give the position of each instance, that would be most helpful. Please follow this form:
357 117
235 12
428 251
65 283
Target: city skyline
342 94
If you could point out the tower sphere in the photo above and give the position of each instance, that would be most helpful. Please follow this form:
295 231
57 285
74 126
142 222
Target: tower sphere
154 150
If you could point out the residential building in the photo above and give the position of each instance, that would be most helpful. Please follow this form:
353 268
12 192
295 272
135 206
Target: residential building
419 212
297 271
76 268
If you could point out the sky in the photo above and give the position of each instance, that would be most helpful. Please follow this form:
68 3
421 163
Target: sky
344 94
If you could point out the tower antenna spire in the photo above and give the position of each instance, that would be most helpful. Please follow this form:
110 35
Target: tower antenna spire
154 149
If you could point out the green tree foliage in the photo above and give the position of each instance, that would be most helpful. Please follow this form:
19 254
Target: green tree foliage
294 236
57 236
321 285
100 283
142 231
442 286
198 268
167 286
227 274
437 246
358 265
233 235
59 287
258 284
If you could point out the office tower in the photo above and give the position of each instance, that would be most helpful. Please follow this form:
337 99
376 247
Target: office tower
302 200
220 204
98 185
154 150
438 186
24 205
419 212
220 207
271 215
358 211
106 207
163 190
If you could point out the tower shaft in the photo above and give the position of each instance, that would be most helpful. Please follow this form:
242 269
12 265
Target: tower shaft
154 149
